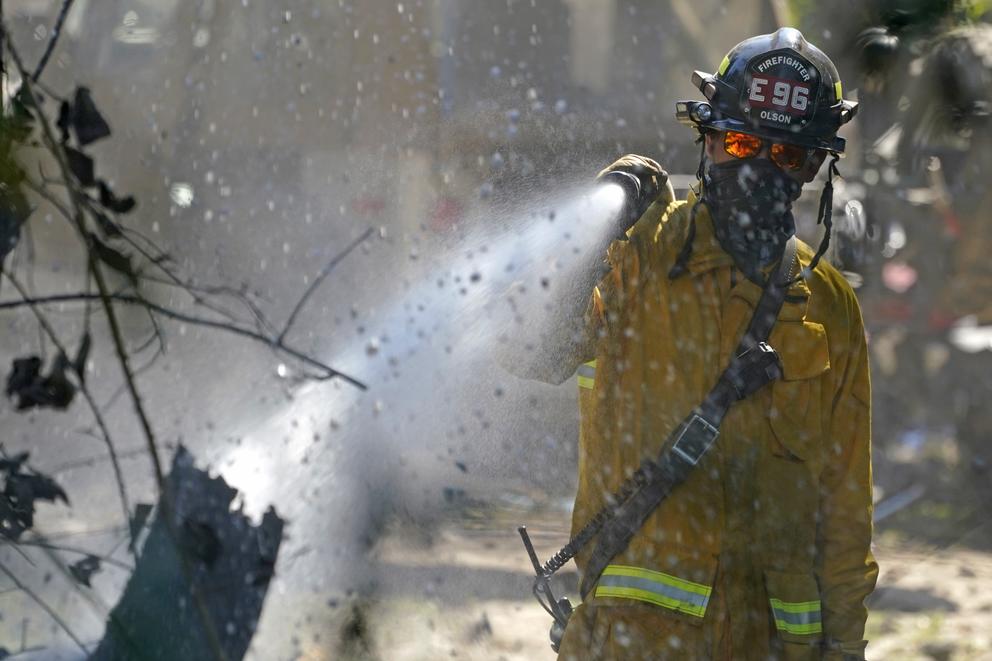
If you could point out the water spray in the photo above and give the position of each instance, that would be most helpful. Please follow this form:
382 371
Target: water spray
427 354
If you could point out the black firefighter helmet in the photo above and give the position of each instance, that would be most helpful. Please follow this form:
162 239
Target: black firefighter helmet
776 86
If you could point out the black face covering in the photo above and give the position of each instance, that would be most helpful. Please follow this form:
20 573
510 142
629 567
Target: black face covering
750 202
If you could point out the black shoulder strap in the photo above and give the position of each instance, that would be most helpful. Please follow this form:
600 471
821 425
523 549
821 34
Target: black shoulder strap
754 365
733 384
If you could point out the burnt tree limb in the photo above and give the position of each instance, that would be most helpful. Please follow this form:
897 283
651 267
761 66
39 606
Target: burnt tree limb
232 563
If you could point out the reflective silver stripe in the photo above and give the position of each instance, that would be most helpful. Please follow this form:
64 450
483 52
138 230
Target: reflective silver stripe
654 587
646 584
587 375
797 618
587 370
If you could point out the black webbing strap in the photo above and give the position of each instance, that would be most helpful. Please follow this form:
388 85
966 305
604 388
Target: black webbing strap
754 365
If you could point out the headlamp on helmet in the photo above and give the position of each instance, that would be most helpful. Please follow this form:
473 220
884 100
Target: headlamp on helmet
693 112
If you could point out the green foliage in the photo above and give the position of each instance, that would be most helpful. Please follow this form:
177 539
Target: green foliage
801 12
16 126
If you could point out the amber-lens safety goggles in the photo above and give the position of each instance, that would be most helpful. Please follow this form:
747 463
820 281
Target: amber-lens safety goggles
786 156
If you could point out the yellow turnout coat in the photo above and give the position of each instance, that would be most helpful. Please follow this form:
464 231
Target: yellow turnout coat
763 553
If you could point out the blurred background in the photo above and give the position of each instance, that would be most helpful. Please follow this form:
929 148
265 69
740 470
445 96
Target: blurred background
262 138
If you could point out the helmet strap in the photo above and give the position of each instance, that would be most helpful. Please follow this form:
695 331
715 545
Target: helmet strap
701 141
824 216
681 267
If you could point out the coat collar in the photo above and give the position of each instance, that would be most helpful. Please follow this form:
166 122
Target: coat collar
707 255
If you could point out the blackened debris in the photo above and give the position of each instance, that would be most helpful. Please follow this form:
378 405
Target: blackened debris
480 630
111 202
83 570
200 541
85 119
356 641
82 354
13 464
21 488
31 388
109 228
81 166
24 374
64 121
230 562
21 122
113 258
139 518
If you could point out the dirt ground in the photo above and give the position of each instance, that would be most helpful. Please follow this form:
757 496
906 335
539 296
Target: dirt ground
465 594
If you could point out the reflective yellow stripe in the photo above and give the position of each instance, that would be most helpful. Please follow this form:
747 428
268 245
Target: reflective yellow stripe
801 618
838 91
723 65
587 374
654 587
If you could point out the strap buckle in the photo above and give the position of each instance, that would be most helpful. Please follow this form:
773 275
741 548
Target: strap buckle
754 369
695 439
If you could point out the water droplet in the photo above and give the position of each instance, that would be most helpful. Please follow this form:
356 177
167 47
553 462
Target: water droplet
201 38
181 194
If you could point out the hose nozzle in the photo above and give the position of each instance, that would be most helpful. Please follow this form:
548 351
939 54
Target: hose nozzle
630 184
631 187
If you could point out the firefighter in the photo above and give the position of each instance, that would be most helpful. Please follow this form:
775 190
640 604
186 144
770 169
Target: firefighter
763 551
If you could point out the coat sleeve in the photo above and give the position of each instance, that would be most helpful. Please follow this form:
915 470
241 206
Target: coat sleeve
559 349
602 308
622 260
846 568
